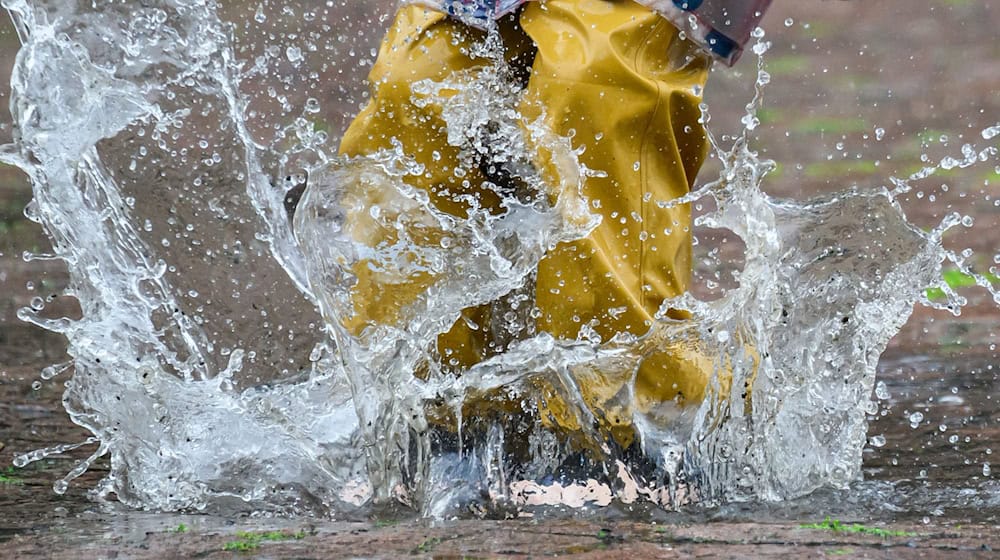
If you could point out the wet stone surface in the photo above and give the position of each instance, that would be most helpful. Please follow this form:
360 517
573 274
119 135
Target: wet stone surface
136 537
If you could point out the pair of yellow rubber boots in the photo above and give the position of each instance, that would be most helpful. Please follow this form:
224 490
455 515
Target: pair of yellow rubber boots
625 85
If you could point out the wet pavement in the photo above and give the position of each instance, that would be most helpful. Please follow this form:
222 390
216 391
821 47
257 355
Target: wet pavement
207 538
840 71
923 497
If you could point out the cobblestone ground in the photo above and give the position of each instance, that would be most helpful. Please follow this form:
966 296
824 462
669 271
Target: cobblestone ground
922 71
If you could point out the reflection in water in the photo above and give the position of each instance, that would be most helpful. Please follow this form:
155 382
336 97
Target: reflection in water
215 364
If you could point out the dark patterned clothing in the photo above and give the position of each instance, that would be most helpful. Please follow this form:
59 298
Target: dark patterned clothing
722 27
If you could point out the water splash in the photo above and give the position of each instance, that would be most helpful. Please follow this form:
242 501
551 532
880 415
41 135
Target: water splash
212 361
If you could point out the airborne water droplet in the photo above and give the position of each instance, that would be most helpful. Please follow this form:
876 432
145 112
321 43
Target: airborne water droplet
882 391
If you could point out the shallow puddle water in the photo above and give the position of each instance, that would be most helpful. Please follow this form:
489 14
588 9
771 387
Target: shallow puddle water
917 478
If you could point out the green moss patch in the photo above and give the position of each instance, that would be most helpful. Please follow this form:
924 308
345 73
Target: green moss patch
836 526
246 540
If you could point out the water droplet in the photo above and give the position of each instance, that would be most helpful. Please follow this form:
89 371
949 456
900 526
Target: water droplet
789 22
882 391
761 47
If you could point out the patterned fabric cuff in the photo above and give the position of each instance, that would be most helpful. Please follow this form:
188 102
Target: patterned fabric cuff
721 27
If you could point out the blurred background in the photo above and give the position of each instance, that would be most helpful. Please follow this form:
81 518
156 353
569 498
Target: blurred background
860 92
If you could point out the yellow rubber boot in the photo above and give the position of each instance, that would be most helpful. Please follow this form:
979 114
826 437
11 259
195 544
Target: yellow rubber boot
421 44
621 80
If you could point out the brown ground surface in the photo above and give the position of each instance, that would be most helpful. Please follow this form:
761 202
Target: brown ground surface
920 70
521 540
